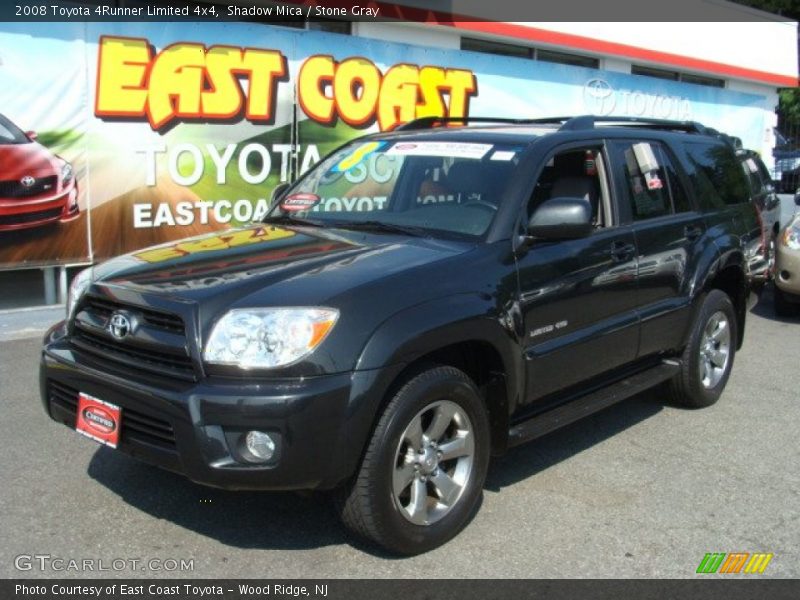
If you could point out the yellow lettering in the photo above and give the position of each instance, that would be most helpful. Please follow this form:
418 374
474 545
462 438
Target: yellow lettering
399 95
121 70
316 72
231 239
224 99
177 74
356 88
265 67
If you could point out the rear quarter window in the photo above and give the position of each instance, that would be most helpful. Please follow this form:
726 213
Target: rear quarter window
716 174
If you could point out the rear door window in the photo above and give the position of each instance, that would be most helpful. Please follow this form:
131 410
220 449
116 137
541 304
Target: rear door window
649 180
716 174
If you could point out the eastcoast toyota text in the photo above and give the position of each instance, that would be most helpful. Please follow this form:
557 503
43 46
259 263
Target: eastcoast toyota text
515 277
123 589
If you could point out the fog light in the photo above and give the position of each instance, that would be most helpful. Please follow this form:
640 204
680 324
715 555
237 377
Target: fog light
260 445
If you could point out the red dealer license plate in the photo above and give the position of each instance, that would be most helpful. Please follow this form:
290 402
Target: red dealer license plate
98 420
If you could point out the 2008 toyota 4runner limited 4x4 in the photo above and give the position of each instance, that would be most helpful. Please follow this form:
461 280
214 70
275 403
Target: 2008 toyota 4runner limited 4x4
418 301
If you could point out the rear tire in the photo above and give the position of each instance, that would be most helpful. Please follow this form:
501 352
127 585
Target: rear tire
408 501
708 357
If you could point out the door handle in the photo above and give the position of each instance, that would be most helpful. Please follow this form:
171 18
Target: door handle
692 232
622 251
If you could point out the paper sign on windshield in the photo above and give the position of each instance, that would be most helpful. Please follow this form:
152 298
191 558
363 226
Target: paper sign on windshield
455 149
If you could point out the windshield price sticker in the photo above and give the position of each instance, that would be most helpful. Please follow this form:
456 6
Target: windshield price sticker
454 149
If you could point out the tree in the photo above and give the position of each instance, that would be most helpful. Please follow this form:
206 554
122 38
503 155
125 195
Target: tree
789 105
785 8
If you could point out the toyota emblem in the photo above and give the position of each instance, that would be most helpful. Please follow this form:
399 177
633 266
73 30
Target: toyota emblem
27 181
119 325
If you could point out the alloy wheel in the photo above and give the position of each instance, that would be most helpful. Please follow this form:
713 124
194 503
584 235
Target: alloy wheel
715 346
433 463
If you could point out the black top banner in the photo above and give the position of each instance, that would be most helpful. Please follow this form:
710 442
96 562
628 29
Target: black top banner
440 589
436 11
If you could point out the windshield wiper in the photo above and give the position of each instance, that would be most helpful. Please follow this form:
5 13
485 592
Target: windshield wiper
290 220
380 227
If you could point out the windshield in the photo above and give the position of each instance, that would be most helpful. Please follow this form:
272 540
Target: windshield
416 187
10 133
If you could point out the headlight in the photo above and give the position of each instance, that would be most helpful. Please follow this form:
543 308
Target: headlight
270 337
66 173
77 288
791 237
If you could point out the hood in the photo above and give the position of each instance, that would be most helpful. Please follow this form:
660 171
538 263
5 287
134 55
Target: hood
269 265
19 160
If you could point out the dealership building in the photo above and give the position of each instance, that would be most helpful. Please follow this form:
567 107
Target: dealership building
674 67
149 167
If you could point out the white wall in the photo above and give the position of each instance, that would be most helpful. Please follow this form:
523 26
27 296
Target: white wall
407 33
769 46
726 33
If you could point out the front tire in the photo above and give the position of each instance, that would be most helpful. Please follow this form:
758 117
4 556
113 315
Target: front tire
422 475
708 358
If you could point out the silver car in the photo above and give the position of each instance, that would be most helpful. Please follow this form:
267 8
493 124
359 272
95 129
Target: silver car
787 267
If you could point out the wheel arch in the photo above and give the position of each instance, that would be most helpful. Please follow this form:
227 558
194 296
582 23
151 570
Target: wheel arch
727 274
467 332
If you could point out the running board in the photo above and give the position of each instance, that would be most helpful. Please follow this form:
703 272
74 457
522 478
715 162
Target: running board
584 406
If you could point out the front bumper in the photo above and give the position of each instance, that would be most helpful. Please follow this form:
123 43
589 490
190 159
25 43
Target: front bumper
25 213
321 422
787 270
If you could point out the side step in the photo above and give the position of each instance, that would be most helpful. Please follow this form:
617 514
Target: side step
584 406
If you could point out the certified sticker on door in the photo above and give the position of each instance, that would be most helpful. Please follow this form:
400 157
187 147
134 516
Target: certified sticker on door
98 420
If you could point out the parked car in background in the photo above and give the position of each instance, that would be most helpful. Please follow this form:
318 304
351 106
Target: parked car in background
763 196
787 267
787 164
36 186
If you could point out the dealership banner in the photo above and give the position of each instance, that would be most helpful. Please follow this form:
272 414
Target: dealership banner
118 136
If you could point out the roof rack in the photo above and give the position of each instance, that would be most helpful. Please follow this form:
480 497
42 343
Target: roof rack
579 123
567 123
589 122
431 122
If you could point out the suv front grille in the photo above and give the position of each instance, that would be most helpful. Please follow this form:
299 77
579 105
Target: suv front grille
161 320
157 345
149 360
136 425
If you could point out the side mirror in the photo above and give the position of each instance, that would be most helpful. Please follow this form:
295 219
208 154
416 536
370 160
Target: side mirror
278 192
561 219
797 198
32 135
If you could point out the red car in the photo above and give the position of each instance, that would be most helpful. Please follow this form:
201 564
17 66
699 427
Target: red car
36 186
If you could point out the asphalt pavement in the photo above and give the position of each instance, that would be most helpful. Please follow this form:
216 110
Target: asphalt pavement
642 489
